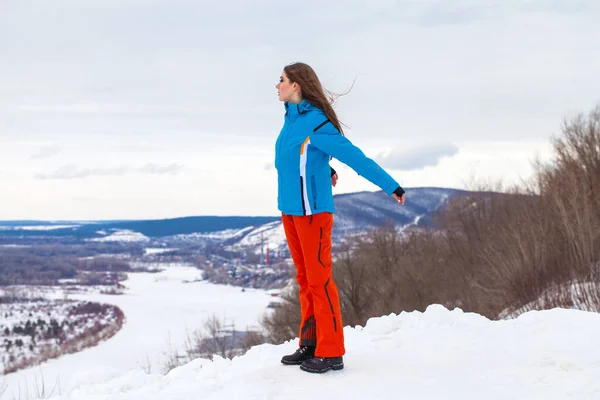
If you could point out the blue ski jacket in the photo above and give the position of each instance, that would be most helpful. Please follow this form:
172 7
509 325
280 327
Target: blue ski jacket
302 154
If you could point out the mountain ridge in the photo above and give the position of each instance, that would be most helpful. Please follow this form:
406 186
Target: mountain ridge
355 211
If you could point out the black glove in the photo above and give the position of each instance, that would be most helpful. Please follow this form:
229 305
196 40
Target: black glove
399 191
332 171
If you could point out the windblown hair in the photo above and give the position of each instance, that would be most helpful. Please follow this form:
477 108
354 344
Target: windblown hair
313 91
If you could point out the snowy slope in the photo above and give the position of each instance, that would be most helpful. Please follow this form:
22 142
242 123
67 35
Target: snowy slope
122 235
357 213
271 234
161 311
438 354
367 210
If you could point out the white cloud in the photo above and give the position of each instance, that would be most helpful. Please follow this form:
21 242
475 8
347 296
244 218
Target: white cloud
74 172
46 152
409 159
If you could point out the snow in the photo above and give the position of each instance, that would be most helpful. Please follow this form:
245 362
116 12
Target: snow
249 237
70 316
37 227
218 235
160 309
571 295
45 227
156 250
271 233
438 354
123 235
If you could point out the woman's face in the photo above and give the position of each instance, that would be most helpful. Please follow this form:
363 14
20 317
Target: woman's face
285 88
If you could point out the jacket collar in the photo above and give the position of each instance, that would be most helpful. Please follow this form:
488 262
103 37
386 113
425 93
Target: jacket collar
300 108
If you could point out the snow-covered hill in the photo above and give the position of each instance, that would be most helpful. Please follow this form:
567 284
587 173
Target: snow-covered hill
357 213
354 211
162 311
438 354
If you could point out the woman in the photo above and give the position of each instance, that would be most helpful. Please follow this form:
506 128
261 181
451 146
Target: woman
310 136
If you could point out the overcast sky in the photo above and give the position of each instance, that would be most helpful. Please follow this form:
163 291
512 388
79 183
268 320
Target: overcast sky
167 108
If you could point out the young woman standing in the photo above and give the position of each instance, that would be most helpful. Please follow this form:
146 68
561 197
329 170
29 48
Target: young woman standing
310 136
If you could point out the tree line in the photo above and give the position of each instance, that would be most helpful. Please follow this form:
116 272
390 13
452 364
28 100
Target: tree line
21 266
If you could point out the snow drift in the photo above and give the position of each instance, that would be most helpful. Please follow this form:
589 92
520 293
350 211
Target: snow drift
438 354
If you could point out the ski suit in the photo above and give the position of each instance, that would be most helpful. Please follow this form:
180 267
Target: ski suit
302 153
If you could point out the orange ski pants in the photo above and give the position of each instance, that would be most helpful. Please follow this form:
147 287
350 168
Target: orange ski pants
309 240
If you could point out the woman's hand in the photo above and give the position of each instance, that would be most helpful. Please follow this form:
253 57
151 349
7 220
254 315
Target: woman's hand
399 199
334 179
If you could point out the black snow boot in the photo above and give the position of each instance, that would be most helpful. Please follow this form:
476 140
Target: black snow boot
322 364
302 354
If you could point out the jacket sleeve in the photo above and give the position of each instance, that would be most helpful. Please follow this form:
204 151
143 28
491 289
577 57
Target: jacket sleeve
330 141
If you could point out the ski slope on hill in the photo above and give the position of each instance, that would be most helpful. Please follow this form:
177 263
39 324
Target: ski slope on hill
438 354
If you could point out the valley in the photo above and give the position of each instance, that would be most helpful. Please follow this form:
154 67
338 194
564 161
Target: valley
76 292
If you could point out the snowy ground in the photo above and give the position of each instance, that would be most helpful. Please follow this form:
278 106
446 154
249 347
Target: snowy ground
122 235
272 234
160 309
438 354
157 250
578 295
37 227
33 330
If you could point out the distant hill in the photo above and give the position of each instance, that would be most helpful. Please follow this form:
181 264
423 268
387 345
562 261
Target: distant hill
149 228
355 212
367 210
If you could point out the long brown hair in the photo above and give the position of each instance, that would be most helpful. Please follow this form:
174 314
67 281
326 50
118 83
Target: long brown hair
313 91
